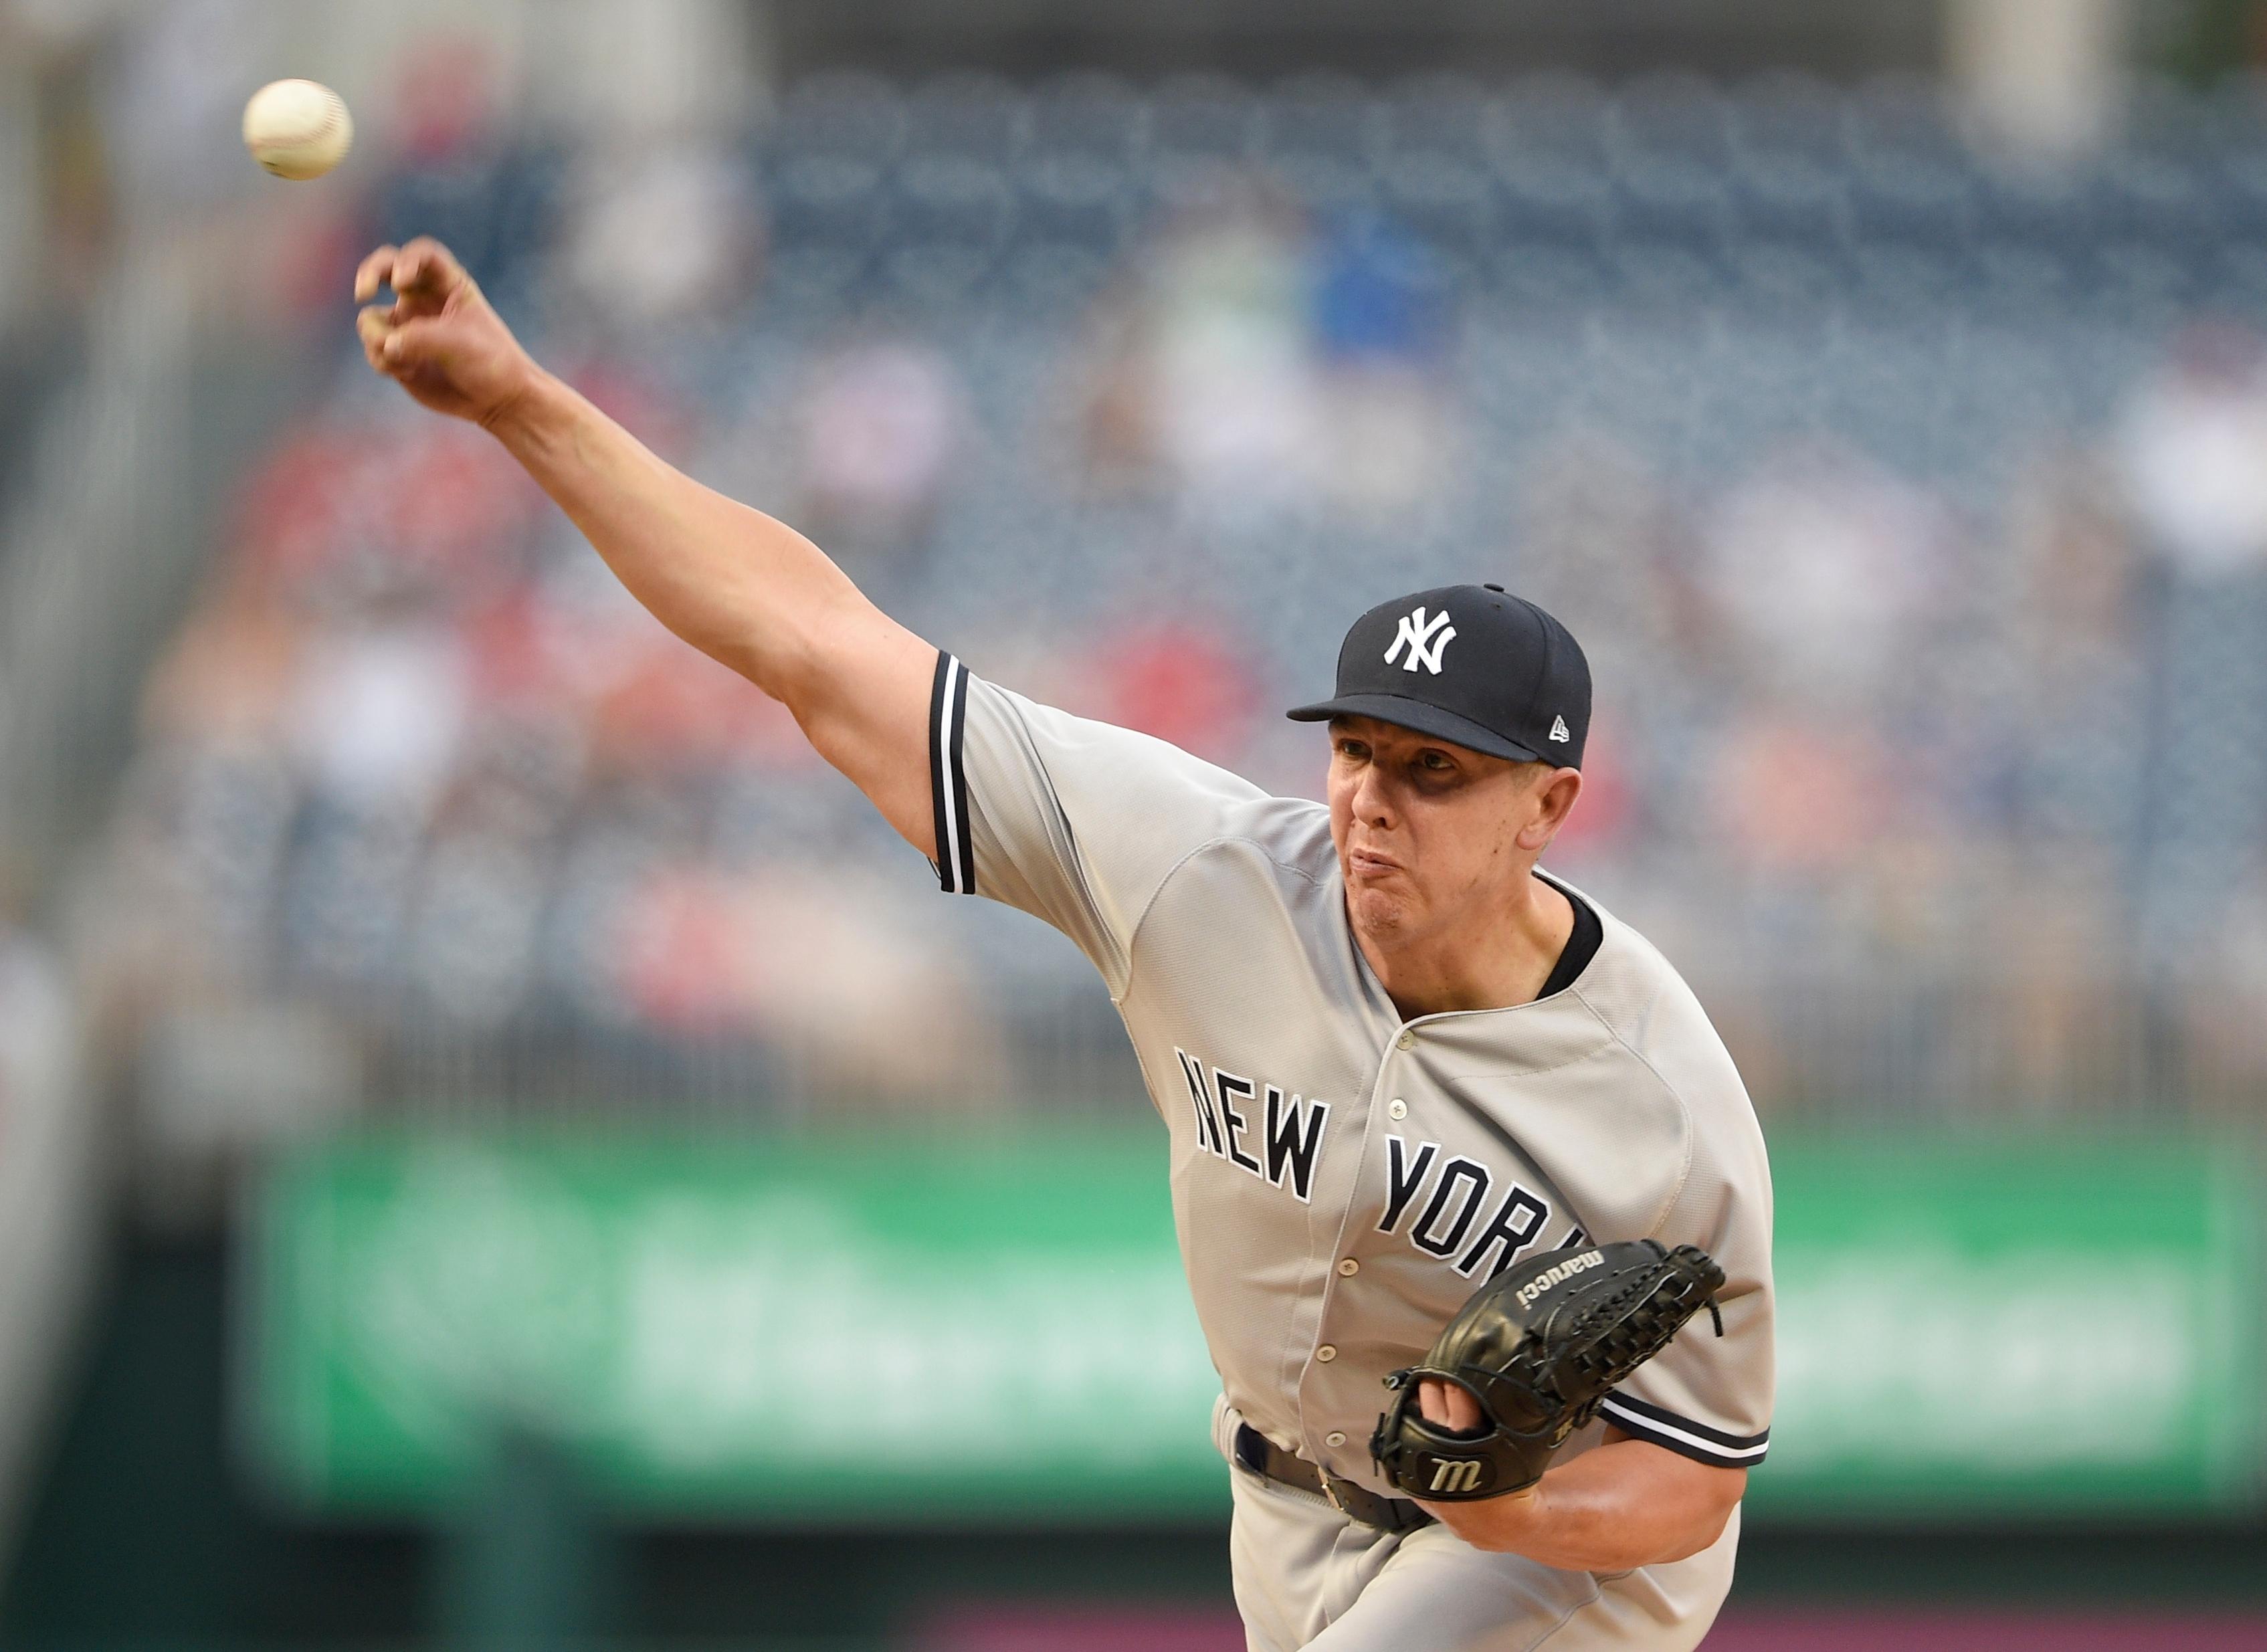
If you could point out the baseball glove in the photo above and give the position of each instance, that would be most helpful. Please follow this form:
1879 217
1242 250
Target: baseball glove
1538 1348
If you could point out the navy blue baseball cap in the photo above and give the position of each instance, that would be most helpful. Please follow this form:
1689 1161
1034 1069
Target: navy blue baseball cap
1471 665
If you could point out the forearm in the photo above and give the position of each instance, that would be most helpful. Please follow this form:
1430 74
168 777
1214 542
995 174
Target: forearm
1625 1504
744 589
735 583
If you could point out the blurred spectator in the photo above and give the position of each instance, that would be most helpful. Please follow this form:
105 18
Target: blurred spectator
1229 380
229 675
2193 443
660 234
1800 797
2194 449
2076 682
815 958
882 421
1822 567
417 511
379 711
1182 683
1379 326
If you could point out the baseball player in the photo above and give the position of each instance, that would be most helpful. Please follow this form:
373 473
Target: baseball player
1393 1058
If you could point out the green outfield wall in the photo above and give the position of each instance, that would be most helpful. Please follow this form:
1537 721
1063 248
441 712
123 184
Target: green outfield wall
998 1329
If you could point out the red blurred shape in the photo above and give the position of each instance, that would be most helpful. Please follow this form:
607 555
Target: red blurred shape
1803 794
453 499
673 708
679 950
1181 683
1986 1632
1131 1628
292 511
445 99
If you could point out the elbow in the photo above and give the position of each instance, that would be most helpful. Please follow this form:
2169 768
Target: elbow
1702 1535
812 658
1707 1521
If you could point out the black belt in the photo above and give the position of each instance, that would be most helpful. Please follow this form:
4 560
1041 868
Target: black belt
1256 1451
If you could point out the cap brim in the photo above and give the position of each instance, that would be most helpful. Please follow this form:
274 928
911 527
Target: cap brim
1420 716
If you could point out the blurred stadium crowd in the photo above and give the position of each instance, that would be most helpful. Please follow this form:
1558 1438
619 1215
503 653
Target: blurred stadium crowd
1912 509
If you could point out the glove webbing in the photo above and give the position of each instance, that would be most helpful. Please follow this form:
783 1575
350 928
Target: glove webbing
1638 1314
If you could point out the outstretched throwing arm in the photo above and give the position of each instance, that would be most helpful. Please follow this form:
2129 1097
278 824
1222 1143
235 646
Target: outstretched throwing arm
739 586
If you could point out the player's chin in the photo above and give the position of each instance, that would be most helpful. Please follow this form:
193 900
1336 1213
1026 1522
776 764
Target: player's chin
1375 909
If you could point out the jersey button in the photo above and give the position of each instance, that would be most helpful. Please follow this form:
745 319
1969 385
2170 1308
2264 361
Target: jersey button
1334 1439
1349 1267
1396 1108
1326 1354
1406 1041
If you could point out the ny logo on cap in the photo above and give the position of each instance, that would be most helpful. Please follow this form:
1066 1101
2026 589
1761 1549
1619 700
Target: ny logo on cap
1423 639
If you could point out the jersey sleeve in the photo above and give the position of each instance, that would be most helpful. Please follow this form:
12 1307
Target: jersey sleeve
1706 1397
1076 822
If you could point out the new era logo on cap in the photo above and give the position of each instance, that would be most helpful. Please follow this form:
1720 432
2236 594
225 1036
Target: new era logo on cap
1521 687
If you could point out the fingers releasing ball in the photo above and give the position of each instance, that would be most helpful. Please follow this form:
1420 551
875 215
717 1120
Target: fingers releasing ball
297 128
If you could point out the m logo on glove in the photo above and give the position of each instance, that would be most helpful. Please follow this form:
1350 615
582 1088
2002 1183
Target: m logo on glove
1456 1475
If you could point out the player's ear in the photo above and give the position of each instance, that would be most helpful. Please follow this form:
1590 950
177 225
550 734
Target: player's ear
1553 801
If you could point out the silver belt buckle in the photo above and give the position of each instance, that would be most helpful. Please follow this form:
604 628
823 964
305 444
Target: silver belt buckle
1331 1493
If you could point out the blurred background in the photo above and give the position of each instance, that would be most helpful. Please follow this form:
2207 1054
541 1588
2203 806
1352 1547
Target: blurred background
468 1072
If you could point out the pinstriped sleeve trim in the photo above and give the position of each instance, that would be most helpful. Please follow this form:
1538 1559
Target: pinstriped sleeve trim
948 777
1682 1435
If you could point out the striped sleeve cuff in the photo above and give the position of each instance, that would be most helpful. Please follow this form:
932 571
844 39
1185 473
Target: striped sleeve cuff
948 777
1682 1435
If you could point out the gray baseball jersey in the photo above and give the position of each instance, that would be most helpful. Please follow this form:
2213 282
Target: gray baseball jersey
1344 1180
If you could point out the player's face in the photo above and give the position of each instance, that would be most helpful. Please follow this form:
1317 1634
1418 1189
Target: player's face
1431 834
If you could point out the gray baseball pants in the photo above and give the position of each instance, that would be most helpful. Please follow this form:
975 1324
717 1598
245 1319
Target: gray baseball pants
1306 1576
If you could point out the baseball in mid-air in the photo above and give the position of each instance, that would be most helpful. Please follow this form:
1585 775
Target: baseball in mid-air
297 128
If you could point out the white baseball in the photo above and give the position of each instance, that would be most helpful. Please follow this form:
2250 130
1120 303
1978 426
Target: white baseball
297 128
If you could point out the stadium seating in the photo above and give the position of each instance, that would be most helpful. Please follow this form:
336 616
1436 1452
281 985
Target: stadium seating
1856 458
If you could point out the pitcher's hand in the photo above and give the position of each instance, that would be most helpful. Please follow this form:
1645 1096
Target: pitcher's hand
439 338
1445 1406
